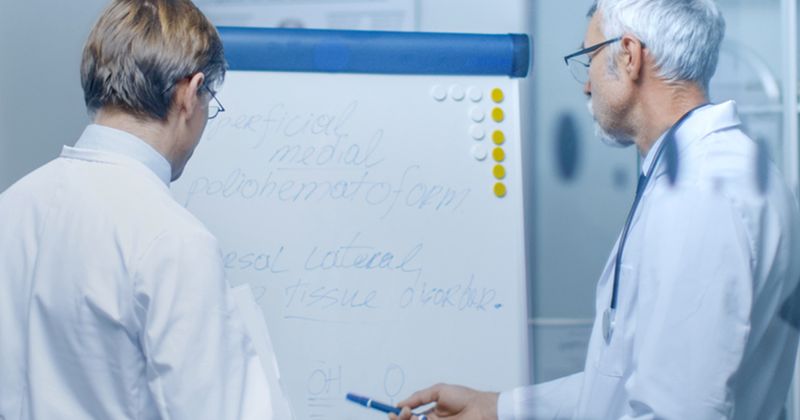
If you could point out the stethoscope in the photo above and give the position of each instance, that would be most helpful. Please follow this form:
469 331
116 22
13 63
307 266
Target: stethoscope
644 179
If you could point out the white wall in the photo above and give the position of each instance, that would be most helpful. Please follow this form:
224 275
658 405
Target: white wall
41 105
497 16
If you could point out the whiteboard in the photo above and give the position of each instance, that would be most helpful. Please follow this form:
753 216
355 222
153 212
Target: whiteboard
362 209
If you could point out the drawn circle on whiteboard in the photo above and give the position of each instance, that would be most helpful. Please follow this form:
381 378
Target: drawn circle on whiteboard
394 380
457 92
499 171
474 94
500 190
438 93
477 132
477 114
498 115
317 382
480 152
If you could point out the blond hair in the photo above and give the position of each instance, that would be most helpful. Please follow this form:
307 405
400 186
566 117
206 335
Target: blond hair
139 49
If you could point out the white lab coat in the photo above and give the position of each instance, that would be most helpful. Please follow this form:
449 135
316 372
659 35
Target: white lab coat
707 265
113 303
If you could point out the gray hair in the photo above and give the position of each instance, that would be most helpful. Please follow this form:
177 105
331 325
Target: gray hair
683 36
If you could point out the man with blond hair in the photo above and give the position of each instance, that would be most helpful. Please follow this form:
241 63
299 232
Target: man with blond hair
114 304
688 315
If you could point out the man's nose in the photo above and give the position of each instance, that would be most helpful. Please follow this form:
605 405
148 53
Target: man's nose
587 88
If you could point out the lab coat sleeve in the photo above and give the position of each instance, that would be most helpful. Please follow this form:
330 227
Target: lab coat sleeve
695 292
556 399
200 362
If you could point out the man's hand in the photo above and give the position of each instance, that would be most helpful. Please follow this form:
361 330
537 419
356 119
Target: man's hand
453 402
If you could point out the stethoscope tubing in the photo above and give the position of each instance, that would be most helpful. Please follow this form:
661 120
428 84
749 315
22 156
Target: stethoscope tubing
608 316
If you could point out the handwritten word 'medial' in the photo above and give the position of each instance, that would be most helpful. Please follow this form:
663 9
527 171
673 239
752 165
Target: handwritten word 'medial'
337 154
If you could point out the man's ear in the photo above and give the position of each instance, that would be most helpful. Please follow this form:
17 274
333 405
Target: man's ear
632 57
187 97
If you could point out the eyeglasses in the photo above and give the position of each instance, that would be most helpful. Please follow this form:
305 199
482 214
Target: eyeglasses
214 110
579 68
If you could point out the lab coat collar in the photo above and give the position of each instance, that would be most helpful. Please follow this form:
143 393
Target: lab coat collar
100 138
702 122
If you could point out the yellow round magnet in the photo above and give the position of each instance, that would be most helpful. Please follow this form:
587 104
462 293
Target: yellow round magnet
498 115
497 95
500 189
498 154
499 171
498 137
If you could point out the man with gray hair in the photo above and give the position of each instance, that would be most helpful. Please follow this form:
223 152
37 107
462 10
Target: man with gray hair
114 303
688 307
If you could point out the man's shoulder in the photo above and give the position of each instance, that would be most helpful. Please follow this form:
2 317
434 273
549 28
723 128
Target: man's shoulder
179 220
127 201
154 207
729 172
731 164
32 182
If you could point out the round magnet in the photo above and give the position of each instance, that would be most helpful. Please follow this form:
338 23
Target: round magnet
457 92
500 190
498 115
498 95
479 152
498 137
438 93
499 171
477 114
477 132
474 94
498 154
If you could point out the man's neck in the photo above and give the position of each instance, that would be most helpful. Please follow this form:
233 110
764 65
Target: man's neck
152 133
661 109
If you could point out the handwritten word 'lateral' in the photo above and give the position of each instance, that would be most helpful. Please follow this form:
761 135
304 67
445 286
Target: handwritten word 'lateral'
355 255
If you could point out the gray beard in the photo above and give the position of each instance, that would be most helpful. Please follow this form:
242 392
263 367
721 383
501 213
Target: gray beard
604 136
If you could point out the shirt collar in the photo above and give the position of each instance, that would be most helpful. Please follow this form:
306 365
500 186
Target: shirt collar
703 121
106 139
651 154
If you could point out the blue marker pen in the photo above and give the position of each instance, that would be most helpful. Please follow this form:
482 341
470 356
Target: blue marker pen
370 403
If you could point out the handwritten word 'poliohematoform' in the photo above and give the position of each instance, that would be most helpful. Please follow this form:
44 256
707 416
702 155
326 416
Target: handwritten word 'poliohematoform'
408 190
